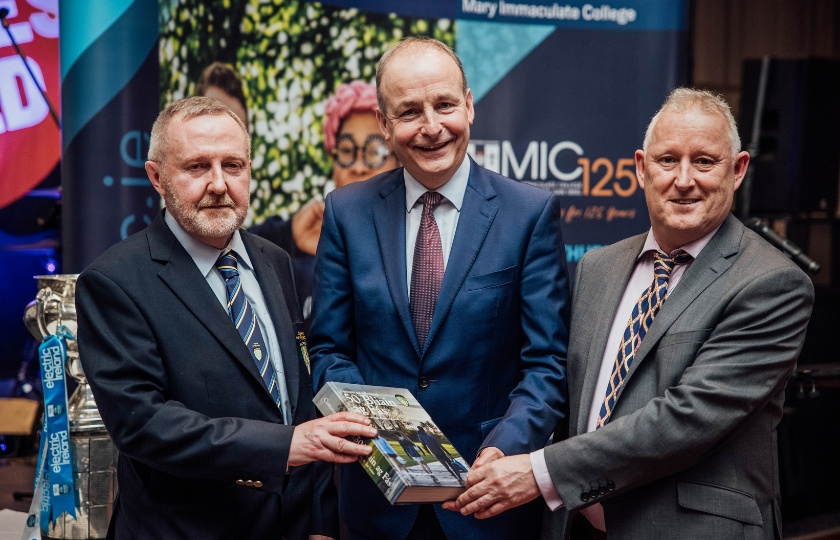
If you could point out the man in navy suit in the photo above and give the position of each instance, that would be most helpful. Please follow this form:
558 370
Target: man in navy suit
206 451
489 362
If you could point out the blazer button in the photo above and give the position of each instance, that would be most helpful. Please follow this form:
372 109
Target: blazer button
602 490
423 381
249 483
240 482
610 485
593 493
584 496
257 484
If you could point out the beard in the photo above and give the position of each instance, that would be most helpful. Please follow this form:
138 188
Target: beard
218 223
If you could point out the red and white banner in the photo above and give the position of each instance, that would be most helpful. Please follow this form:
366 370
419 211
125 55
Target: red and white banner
30 143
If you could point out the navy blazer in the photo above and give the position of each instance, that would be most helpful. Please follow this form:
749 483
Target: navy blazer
184 403
493 370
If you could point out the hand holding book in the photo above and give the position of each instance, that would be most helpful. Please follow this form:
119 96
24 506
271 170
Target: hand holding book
327 439
497 486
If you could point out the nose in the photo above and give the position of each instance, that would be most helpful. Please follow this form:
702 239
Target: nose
358 167
685 175
216 179
431 124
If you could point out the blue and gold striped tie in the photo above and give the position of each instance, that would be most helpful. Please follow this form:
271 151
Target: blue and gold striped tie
646 308
245 319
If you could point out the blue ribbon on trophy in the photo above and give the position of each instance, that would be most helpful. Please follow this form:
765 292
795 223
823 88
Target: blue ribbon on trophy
55 463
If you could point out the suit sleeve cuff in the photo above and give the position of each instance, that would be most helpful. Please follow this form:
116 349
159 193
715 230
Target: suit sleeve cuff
547 489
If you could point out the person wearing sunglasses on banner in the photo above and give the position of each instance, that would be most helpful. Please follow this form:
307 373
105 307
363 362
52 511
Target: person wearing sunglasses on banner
353 139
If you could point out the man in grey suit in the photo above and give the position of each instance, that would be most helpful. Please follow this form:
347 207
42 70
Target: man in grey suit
676 435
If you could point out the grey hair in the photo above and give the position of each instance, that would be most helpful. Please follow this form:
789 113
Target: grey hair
188 107
684 99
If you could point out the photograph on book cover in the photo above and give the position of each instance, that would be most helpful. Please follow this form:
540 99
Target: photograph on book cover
413 461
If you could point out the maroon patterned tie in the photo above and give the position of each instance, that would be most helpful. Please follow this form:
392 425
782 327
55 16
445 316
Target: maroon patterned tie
427 269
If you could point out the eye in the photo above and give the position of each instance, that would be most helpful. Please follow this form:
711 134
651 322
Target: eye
667 160
408 113
705 163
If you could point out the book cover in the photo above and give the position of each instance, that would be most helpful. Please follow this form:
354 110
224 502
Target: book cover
412 460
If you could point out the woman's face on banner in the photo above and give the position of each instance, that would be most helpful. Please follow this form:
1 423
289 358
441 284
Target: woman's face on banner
360 150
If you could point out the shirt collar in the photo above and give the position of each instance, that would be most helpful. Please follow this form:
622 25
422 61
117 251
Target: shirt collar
453 189
204 255
692 248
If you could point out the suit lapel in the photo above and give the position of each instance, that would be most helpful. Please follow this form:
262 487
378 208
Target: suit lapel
274 296
185 281
709 265
606 292
476 217
389 221
181 275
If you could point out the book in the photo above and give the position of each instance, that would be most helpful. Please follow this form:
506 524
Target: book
412 460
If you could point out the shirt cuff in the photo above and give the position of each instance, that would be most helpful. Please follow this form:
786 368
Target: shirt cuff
547 489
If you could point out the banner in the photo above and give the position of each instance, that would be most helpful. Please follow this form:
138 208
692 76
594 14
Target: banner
29 137
563 90
109 73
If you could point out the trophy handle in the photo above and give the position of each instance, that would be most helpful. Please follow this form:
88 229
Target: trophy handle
30 320
44 300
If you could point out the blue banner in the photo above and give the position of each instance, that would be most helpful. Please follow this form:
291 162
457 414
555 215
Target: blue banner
55 461
109 61
563 91
565 108
637 14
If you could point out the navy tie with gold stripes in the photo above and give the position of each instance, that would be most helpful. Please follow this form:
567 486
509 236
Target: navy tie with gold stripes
246 323
646 308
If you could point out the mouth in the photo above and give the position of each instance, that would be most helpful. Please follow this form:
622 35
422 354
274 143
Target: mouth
432 147
684 202
216 205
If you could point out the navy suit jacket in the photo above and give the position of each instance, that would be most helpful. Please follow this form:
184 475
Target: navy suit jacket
492 372
184 403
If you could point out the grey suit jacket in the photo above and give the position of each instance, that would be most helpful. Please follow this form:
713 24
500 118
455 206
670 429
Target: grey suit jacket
690 450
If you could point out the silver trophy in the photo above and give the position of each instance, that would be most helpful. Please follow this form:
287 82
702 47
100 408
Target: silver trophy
94 455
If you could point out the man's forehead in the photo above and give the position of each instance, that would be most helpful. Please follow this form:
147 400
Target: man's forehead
442 92
678 124
196 129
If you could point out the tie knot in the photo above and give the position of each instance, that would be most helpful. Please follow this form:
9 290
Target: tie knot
665 263
430 201
227 265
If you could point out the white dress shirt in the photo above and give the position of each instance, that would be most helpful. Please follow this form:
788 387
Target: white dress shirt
446 213
205 257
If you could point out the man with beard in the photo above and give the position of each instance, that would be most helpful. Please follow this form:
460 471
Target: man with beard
187 332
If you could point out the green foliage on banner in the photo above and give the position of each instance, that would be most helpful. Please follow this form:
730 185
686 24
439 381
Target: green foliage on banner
291 55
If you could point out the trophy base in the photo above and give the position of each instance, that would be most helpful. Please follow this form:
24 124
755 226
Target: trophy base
95 478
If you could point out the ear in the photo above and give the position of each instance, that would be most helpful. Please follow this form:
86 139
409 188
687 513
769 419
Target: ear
640 168
154 173
742 161
469 103
383 124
